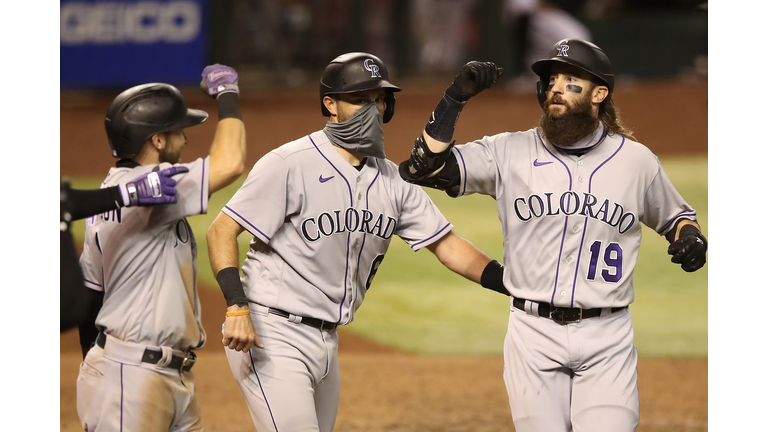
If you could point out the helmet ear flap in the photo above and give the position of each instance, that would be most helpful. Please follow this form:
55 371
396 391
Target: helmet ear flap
389 112
541 90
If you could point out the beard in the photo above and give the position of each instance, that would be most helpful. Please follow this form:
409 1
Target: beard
172 156
570 126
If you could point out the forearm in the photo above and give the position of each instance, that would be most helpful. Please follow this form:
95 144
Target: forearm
222 243
85 203
227 153
674 234
461 256
225 260
683 223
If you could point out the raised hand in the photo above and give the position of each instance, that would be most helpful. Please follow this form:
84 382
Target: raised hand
219 79
473 78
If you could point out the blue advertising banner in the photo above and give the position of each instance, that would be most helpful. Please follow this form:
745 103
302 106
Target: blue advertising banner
121 43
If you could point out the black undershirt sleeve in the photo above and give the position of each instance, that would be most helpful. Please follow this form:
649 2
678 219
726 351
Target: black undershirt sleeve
84 203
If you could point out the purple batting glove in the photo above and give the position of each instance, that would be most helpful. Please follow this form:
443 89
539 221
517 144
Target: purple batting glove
218 79
156 187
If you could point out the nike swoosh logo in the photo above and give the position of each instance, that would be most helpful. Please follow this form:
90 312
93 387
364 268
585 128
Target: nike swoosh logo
432 120
323 180
537 163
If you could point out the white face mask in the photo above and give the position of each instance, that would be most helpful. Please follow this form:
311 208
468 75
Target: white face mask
362 132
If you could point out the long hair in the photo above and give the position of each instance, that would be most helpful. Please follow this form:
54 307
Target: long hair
609 115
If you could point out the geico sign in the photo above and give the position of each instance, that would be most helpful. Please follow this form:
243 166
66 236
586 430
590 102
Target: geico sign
142 22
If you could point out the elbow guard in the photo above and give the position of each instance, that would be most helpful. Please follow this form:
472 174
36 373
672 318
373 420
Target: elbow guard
420 168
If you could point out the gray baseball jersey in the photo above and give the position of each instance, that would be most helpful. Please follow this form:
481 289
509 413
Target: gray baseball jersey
145 261
571 224
321 227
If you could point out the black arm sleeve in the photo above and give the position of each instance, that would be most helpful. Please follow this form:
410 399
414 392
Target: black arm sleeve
84 203
493 277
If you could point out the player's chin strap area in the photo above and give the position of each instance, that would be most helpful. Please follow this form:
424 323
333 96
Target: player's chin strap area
561 315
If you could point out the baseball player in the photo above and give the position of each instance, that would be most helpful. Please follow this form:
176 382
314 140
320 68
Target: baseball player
137 376
148 189
571 195
322 211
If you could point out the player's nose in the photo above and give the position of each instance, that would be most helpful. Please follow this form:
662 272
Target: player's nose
557 86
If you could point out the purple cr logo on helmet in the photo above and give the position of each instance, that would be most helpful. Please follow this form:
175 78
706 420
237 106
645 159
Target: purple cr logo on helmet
356 72
578 53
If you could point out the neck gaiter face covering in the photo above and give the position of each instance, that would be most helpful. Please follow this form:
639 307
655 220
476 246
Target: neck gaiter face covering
362 132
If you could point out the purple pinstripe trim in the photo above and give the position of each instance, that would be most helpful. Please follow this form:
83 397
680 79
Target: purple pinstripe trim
93 283
253 368
367 192
367 207
464 189
565 225
202 189
351 204
432 236
586 219
674 219
121 397
246 221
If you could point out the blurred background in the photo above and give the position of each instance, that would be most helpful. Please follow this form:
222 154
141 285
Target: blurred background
120 43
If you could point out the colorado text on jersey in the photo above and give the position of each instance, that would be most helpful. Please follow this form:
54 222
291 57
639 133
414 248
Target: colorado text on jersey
570 203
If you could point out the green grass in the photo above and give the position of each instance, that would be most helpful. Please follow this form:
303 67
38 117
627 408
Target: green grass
416 304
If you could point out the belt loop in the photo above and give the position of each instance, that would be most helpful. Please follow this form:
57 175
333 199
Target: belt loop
294 319
604 312
166 358
532 308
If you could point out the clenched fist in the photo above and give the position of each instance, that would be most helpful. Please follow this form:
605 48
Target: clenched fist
473 78
690 250
218 79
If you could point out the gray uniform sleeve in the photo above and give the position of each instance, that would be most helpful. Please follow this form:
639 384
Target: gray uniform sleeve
191 192
90 263
478 166
259 205
421 223
663 205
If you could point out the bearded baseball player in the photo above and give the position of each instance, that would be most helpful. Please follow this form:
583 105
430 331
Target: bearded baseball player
322 211
137 376
571 196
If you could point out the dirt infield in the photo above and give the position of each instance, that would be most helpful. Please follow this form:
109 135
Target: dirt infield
383 389
386 390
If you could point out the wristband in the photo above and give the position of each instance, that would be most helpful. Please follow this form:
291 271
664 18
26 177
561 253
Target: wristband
493 277
238 313
231 286
229 106
443 121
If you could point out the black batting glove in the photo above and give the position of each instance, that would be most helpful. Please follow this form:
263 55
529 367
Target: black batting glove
473 78
690 249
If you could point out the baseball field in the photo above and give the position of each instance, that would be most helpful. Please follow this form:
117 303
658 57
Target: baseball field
424 352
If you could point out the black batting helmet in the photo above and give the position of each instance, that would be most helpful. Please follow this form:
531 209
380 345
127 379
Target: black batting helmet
578 53
145 110
354 72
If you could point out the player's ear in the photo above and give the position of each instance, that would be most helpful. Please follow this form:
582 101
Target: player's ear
599 93
332 106
158 141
